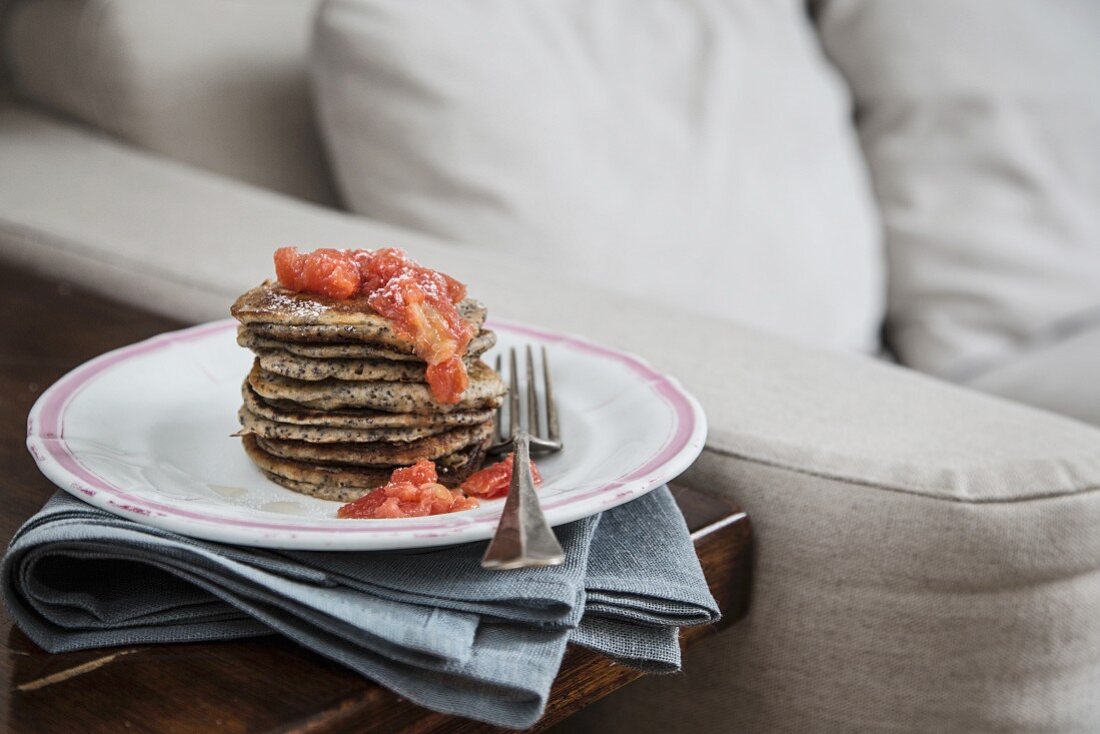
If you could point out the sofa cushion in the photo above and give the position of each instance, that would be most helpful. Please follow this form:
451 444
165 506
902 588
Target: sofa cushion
927 556
699 154
1060 374
220 85
981 123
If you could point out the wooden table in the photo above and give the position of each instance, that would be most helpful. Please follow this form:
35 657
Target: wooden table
265 685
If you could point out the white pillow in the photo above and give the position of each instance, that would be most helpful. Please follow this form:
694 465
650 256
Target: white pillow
981 122
697 153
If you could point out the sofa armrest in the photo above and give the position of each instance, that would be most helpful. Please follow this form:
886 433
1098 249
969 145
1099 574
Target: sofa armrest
927 556
185 242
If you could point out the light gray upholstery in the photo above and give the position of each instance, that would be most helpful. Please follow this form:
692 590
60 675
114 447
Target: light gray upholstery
1060 374
216 84
883 611
927 556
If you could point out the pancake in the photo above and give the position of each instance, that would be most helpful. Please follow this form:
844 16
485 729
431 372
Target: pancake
333 334
252 423
273 312
289 412
279 362
347 483
480 344
485 391
271 303
379 453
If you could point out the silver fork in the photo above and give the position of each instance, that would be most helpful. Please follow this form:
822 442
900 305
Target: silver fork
523 539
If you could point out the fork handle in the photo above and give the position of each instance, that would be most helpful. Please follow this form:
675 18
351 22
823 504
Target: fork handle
523 539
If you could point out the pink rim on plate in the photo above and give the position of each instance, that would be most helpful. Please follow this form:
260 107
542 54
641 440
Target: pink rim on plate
62 463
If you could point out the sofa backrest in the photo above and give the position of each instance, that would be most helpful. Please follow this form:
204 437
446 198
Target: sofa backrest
216 84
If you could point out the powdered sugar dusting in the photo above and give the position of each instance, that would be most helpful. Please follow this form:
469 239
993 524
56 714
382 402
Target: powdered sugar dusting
293 305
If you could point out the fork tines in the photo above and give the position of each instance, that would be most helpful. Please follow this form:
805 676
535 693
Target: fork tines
542 441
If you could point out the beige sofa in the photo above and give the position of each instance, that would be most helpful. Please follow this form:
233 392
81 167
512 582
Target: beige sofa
927 556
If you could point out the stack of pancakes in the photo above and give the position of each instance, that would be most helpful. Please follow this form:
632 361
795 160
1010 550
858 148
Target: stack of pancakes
337 399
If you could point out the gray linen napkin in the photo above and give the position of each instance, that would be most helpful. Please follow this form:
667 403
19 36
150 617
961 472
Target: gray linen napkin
432 626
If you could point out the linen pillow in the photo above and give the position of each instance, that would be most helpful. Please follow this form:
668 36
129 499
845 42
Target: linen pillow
697 153
218 84
981 123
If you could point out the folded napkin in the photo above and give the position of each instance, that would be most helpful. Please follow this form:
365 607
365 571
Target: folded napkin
432 626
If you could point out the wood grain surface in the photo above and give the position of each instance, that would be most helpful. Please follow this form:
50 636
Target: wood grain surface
264 685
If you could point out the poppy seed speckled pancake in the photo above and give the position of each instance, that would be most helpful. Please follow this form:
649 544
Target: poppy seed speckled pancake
273 312
480 344
485 391
271 303
337 397
289 412
379 453
252 423
332 334
344 483
278 362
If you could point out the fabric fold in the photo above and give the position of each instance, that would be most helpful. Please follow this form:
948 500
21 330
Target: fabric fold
430 625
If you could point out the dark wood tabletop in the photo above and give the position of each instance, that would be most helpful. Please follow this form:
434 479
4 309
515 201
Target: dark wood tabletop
260 685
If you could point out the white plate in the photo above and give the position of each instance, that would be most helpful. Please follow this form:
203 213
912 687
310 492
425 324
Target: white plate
144 432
